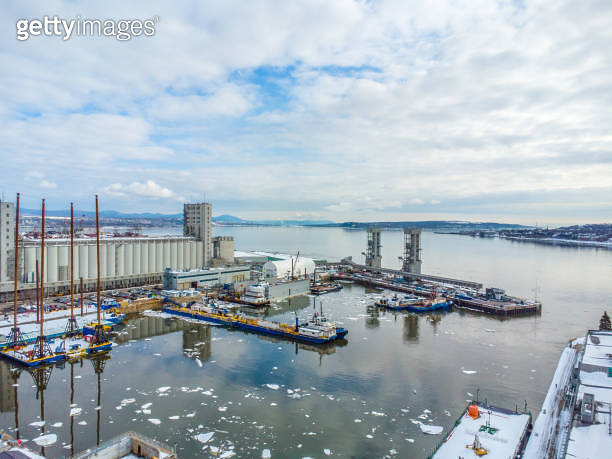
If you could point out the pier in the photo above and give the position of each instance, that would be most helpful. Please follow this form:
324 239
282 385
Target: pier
412 276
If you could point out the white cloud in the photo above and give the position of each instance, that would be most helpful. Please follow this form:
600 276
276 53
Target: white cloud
306 103
47 184
150 189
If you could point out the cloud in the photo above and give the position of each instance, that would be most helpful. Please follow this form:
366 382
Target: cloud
150 189
47 184
346 109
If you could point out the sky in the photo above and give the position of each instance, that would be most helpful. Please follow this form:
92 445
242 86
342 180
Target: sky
343 110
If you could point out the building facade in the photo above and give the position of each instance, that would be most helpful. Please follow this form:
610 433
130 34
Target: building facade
197 223
7 239
197 278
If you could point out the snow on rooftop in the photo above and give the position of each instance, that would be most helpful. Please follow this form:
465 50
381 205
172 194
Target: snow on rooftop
598 349
503 443
591 441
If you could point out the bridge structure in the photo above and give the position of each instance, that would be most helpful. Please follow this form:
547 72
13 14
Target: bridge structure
411 276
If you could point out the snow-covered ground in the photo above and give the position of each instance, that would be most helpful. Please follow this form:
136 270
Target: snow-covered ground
55 322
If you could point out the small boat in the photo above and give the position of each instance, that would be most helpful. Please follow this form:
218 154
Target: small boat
320 289
437 304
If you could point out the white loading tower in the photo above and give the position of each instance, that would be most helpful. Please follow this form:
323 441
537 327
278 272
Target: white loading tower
373 257
197 222
7 239
412 250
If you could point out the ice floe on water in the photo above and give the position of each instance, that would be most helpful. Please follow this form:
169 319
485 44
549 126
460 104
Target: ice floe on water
327 451
57 424
204 437
273 386
162 389
154 421
174 418
146 406
222 408
469 372
76 410
45 440
37 423
266 454
431 430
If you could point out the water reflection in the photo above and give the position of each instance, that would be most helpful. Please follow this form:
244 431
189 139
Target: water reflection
196 341
411 328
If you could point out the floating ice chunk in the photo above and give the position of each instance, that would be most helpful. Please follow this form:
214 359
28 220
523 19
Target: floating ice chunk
207 392
376 413
204 437
146 411
266 454
190 415
431 430
273 386
45 440
148 339
163 389
327 451
127 401
357 420
146 405
37 423
227 454
214 449
83 423
57 424
489 330
154 421
75 411
411 440
174 418
426 411
468 372
273 404
199 362
222 408
369 436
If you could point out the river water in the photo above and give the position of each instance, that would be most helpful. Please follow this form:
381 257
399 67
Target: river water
360 398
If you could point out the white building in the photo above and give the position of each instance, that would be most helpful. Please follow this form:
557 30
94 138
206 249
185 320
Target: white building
281 269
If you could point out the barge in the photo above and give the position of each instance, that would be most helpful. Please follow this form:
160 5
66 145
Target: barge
318 331
320 289
489 431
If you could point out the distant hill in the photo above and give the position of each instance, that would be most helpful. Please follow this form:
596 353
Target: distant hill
227 219
232 220
103 214
437 225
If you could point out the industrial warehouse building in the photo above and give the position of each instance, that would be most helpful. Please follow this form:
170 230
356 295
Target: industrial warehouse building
124 262
197 278
280 269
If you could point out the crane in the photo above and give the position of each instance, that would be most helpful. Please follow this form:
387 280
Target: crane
294 264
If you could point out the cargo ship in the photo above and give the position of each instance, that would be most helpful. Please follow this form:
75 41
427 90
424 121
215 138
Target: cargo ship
318 330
